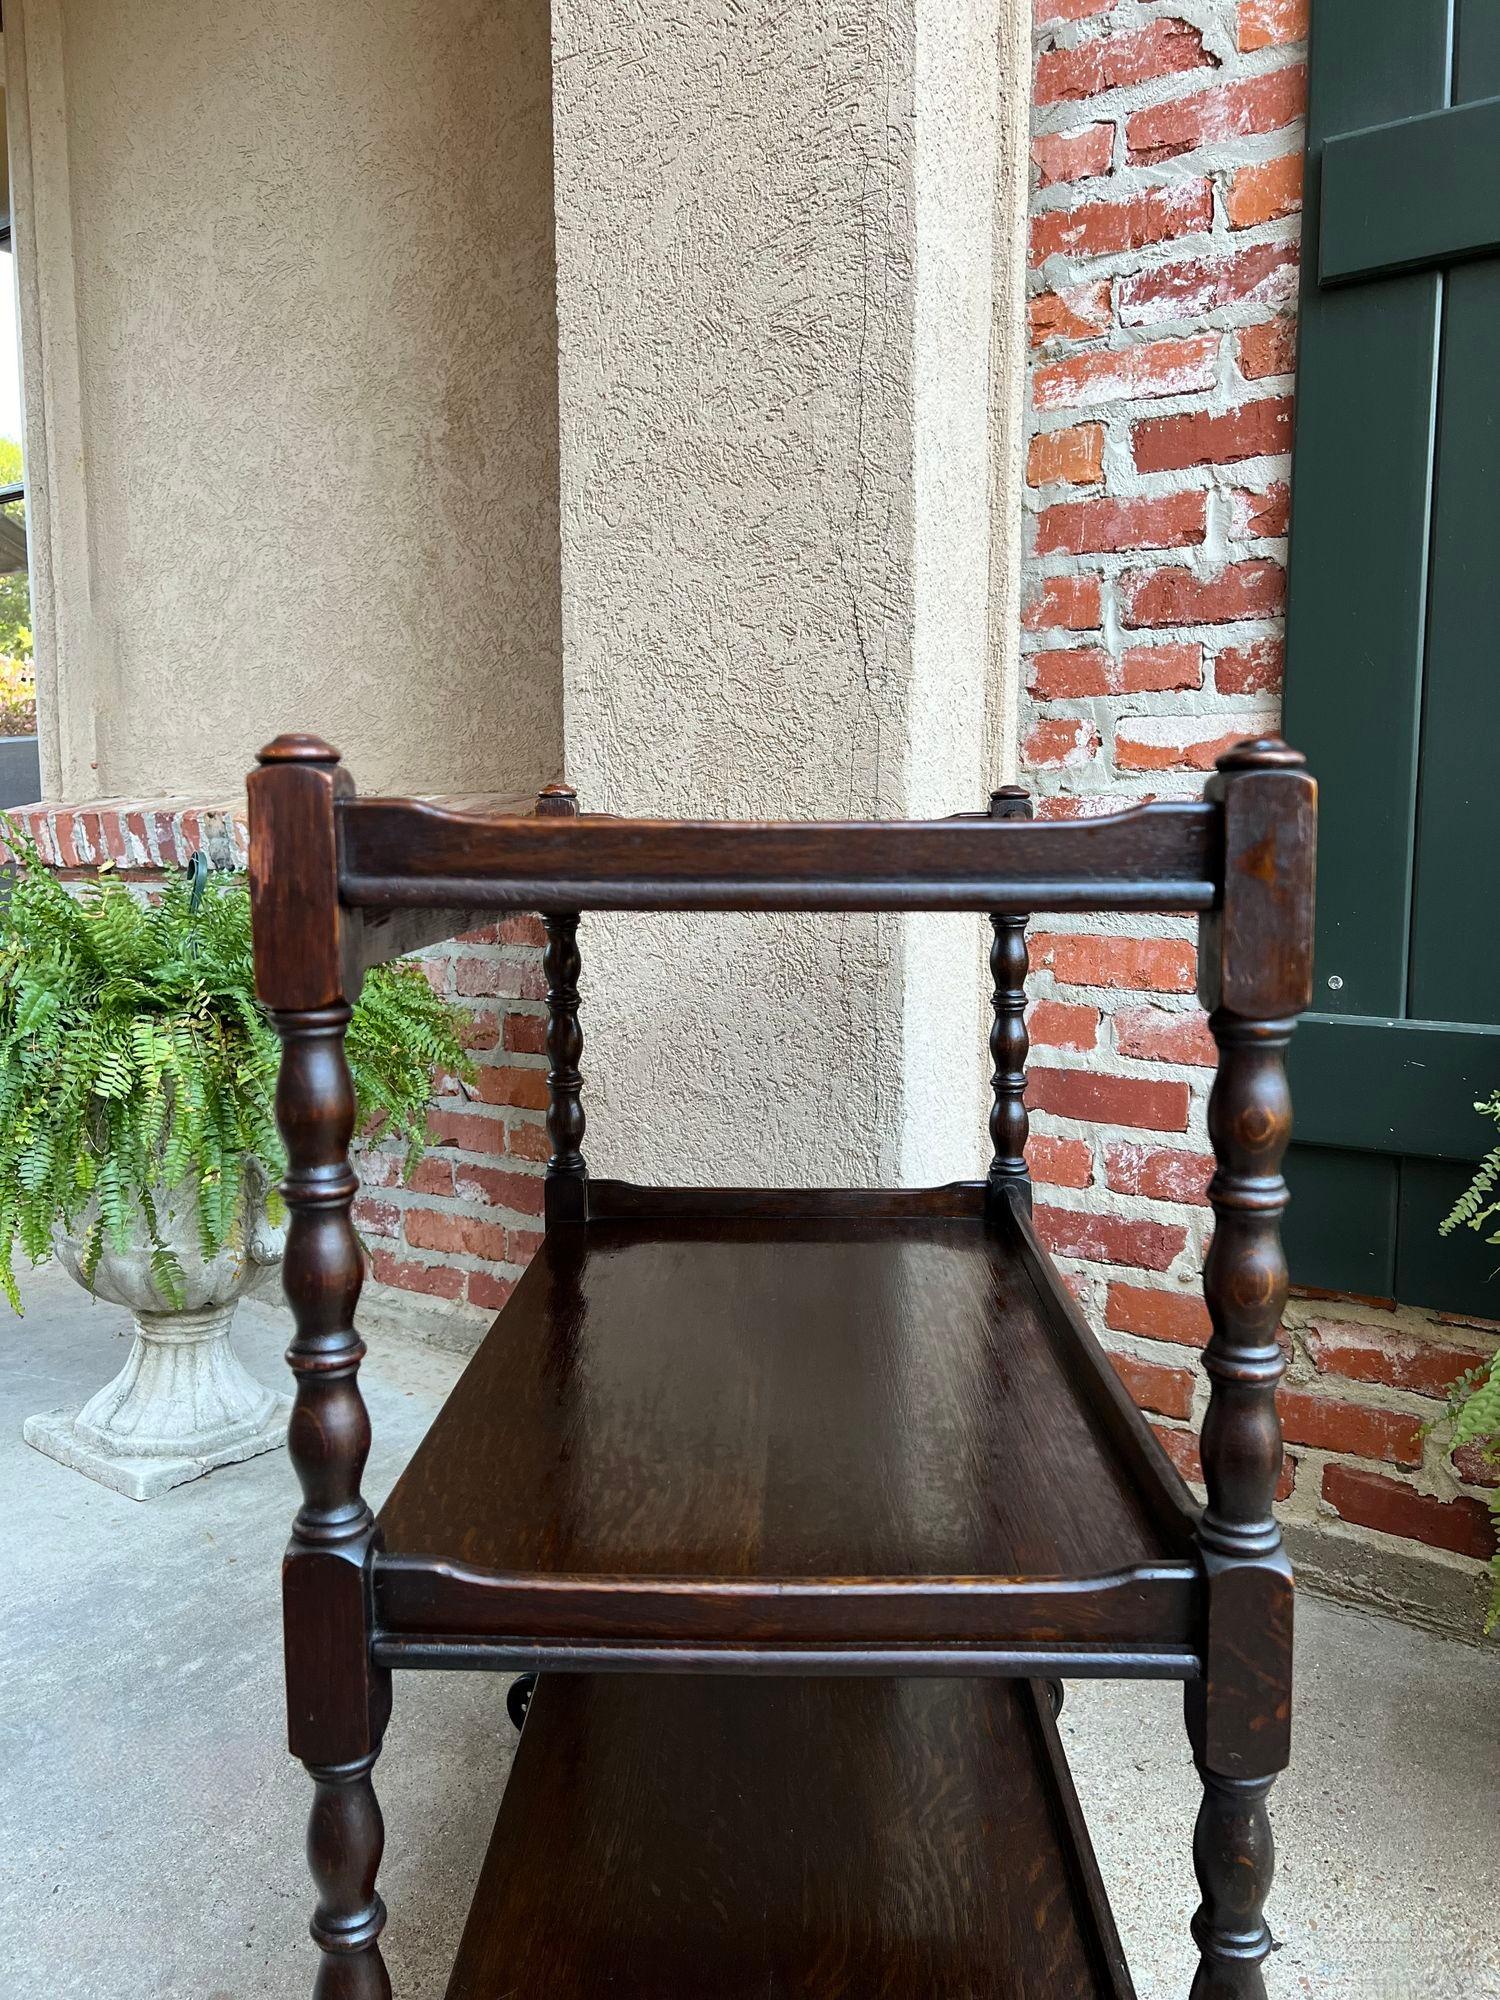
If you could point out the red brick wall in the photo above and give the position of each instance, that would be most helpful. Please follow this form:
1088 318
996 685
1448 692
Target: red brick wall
463 1230
1164 250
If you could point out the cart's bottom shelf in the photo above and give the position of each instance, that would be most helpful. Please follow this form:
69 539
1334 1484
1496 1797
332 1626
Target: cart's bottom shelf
668 1838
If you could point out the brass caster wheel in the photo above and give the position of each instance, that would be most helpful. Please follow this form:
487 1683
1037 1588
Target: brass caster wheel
518 1698
1055 1694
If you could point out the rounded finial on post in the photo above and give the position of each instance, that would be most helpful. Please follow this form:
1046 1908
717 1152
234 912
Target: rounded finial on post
557 801
1010 802
298 748
1261 753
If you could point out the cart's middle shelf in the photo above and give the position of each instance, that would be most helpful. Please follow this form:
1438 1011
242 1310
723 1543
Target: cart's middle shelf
824 1432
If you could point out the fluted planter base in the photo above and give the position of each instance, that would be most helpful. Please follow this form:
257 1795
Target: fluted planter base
183 1404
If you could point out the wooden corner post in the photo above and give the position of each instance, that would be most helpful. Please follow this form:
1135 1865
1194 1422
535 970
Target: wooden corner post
566 1194
1009 1044
338 1701
1255 977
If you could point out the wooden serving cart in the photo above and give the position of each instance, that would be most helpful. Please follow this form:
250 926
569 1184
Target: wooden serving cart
798 1502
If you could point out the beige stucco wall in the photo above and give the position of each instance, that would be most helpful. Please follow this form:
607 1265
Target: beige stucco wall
291 303
779 393
291 379
735 316
972 118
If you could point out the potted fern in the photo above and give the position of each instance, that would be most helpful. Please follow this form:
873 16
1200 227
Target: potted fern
1473 1413
138 1144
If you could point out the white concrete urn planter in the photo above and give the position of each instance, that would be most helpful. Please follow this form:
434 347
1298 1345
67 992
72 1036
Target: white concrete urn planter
184 1403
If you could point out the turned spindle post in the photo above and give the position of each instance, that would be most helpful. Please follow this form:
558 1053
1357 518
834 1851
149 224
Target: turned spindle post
1008 1039
1234 1859
566 1188
338 1702
1255 977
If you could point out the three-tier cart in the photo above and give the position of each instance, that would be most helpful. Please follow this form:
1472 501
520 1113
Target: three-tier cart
798 1502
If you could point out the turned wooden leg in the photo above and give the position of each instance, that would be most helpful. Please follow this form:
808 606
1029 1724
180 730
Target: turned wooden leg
1238 1716
338 1699
1254 978
566 1185
1234 1859
1009 1043
345 1839
566 1190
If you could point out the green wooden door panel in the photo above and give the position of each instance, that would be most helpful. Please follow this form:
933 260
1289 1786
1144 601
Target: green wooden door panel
1476 59
1455 951
1362 486
1361 510
1454 1273
1416 192
1373 61
1340 1224
1381 1086
1394 604
1368 1223
1455 923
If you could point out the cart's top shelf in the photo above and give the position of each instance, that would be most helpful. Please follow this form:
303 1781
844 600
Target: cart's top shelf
729 1422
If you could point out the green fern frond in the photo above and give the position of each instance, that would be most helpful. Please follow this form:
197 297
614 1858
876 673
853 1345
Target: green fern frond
93 1250
1473 1208
1472 1415
134 1056
1477 1419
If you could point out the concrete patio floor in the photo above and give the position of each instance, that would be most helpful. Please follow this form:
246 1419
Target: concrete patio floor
151 1824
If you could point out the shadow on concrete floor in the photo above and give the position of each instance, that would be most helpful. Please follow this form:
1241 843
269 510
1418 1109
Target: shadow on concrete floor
152 1823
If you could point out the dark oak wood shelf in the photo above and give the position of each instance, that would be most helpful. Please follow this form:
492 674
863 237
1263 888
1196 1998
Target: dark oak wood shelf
833 1840
823 1433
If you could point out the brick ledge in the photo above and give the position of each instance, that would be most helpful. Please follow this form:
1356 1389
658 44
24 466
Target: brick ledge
147 836
139 836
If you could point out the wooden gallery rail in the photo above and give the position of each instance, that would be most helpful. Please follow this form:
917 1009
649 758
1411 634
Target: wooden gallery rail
848 1465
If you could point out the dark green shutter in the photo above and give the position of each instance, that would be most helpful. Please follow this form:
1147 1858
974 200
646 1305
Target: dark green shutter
1393 644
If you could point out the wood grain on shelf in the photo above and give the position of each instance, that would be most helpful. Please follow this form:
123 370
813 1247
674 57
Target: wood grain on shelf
836 1840
800 1428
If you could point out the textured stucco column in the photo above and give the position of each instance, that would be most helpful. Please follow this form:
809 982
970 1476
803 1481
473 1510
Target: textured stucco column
780 406
289 347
